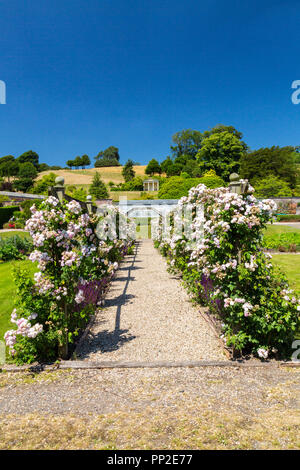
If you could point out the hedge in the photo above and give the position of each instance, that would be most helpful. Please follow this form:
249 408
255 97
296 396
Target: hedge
288 217
6 213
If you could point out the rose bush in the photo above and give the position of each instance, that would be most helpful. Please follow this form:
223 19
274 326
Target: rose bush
220 258
75 266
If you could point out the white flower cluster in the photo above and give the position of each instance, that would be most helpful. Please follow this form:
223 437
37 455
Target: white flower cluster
24 328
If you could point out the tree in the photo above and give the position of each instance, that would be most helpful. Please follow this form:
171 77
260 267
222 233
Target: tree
85 160
128 171
153 167
70 163
188 142
43 167
168 162
272 187
273 161
27 174
174 170
29 157
77 162
221 151
108 157
222 128
98 188
8 167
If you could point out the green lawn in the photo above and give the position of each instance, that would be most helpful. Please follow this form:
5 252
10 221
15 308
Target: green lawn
12 233
278 229
7 292
290 265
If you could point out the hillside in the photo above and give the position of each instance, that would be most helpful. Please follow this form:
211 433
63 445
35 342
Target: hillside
82 177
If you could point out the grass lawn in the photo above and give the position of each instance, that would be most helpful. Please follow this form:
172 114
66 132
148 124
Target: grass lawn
7 291
12 233
290 265
278 229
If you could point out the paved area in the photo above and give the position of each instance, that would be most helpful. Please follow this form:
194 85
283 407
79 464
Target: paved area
148 317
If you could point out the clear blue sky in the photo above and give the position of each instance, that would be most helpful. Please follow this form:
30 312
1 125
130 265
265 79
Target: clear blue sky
85 74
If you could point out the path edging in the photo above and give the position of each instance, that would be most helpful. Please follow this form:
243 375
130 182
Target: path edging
94 365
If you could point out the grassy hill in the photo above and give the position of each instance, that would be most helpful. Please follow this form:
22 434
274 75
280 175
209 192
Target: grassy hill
82 177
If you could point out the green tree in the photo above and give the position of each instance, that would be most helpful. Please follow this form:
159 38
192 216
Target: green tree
108 157
29 157
270 161
187 142
221 151
85 160
77 162
43 167
165 164
70 164
272 187
8 167
153 167
98 188
27 174
128 171
174 170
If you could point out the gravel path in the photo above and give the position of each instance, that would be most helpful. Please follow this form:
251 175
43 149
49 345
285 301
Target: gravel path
148 317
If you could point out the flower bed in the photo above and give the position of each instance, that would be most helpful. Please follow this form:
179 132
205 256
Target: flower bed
220 258
75 266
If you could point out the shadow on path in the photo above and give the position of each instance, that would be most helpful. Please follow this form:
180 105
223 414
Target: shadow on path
106 341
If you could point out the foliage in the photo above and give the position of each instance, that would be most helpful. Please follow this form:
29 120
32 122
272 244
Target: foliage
29 157
8 166
187 142
282 241
41 186
211 180
272 186
14 248
102 163
108 157
128 171
221 260
289 217
27 173
74 268
98 188
270 162
6 213
221 152
79 161
153 167
178 186
76 192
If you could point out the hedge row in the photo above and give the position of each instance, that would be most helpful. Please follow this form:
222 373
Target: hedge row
288 217
6 213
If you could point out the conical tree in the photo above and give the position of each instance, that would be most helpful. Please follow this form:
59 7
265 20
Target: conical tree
98 188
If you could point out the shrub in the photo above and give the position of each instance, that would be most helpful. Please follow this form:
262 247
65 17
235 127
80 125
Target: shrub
98 188
288 217
74 268
6 213
222 262
14 248
176 187
282 241
272 186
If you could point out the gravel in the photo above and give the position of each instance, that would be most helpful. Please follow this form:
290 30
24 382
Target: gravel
148 317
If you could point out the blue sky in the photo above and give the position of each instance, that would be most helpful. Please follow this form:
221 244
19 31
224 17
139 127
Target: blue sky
85 74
